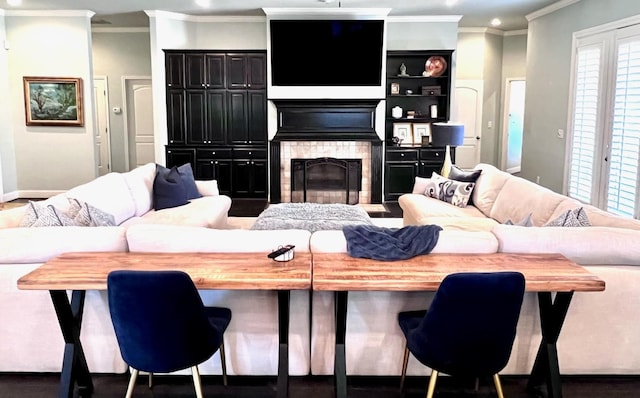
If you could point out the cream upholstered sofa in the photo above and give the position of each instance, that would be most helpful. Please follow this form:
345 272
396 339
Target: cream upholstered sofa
30 335
599 335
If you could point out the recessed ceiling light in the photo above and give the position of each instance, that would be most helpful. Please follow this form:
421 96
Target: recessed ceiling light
203 3
496 22
14 3
326 1
450 3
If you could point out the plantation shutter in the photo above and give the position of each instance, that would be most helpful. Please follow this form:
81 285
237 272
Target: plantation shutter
586 106
622 193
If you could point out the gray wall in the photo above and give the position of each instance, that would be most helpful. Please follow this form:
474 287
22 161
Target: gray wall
8 181
492 99
117 54
548 70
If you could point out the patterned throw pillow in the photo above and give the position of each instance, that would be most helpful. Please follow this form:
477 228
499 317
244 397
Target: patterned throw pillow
86 215
571 218
459 174
455 192
38 215
526 222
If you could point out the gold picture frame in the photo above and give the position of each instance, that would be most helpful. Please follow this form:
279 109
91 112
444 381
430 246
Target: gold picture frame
53 101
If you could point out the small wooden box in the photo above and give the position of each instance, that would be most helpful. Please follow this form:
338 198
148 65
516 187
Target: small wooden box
431 90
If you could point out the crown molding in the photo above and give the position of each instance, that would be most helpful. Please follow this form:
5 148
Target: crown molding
519 32
425 18
50 13
550 9
311 12
493 31
202 18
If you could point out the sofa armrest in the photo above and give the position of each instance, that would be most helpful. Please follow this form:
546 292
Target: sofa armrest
208 187
584 245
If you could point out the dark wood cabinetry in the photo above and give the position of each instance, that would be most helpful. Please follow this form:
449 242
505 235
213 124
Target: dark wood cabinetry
404 164
414 92
216 107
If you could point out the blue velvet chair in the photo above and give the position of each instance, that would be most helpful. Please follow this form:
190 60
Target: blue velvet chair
469 328
162 325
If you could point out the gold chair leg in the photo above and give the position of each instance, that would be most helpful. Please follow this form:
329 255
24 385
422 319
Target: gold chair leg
150 380
196 381
432 383
496 381
223 362
405 361
132 382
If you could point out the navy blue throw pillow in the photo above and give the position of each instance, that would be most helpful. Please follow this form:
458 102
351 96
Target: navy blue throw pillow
169 190
186 174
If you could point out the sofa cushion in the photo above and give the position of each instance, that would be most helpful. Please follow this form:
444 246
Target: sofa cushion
109 193
488 186
162 238
462 223
591 245
571 218
208 211
455 192
37 245
169 190
186 175
140 183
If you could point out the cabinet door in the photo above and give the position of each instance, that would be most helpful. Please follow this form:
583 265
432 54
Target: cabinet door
257 117
175 116
222 174
196 117
174 65
259 179
257 71
399 178
216 111
241 175
195 71
236 71
237 123
215 64
180 156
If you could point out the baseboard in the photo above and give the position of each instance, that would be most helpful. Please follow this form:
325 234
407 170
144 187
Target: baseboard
37 194
513 170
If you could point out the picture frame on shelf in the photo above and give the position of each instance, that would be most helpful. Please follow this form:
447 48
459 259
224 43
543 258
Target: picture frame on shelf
395 88
420 131
402 132
53 101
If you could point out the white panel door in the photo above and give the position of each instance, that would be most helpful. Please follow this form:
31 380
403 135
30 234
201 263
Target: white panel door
139 122
103 147
467 109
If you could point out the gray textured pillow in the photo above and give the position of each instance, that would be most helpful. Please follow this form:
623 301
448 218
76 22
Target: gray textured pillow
38 215
455 192
526 222
89 216
571 218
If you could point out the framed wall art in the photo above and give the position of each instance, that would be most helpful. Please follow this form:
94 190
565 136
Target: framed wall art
402 132
420 131
53 101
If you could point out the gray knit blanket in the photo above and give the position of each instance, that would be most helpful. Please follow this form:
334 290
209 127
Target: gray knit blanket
379 243
311 216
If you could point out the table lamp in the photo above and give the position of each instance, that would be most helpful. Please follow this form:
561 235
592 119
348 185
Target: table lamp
447 134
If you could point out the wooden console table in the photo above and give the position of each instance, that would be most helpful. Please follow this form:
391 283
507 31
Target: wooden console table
544 274
80 272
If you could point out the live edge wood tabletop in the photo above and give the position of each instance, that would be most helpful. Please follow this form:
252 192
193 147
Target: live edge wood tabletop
543 272
241 271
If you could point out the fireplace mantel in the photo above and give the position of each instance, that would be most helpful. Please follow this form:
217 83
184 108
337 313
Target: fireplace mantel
326 120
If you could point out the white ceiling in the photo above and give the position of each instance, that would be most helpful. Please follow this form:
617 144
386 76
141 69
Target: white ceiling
129 13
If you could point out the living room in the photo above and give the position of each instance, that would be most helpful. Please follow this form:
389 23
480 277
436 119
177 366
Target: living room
42 161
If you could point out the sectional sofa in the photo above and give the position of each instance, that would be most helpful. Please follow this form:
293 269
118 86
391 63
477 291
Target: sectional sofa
599 335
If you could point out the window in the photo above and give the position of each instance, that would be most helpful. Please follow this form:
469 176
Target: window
604 147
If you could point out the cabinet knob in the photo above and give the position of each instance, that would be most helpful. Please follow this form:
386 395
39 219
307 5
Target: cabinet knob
216 162
213 152
252 163
437 154
169 84
402 155
249 152
203 85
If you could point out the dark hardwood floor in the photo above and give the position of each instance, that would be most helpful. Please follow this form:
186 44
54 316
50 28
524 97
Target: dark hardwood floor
109 385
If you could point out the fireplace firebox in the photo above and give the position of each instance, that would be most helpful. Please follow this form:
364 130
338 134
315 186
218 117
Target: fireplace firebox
326 180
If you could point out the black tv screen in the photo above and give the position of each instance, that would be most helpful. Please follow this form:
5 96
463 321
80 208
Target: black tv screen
326 52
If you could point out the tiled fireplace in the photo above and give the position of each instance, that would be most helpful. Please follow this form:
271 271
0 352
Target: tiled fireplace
312 129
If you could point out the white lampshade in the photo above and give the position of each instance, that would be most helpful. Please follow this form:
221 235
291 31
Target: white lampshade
443 134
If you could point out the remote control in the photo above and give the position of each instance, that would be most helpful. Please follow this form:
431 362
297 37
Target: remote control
280 251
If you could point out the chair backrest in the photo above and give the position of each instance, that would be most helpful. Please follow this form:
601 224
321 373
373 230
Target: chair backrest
160 320
470 326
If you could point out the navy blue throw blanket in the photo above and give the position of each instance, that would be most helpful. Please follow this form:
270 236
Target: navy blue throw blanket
379 243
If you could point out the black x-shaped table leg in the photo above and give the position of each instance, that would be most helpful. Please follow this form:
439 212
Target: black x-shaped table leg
284 298
546 368
340 365
74 364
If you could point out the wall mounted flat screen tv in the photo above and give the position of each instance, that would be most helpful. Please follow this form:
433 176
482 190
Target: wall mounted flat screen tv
326 52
